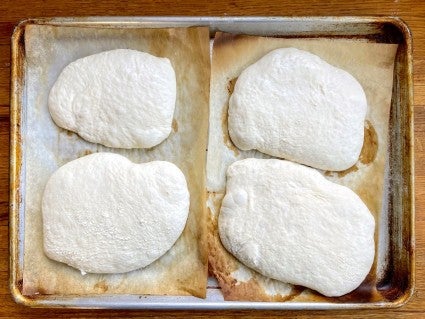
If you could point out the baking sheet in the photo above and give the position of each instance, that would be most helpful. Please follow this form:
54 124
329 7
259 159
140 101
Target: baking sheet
372 64
183 269
398 284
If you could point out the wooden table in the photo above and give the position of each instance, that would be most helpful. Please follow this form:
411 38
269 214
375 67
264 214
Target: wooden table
413 12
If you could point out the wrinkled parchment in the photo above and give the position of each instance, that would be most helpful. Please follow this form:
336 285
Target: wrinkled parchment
372 64
183 269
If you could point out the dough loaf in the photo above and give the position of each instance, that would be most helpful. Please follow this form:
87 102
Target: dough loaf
289 223
105 214
120 98
293 105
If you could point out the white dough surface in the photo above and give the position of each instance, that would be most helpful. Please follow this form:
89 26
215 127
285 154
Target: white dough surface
292 104
289 223
119 98
105 214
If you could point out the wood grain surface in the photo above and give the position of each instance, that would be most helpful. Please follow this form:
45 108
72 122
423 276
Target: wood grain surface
413 12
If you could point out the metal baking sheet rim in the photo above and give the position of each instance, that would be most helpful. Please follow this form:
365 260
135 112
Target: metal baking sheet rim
16 224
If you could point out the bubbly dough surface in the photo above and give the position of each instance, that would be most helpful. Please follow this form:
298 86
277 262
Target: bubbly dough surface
105 214
293 105
289 223
120 98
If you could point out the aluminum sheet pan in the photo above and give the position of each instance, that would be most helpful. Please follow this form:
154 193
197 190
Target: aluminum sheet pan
398 283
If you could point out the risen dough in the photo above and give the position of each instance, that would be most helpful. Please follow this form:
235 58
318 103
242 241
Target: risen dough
289 223
292 104
105 214
120 98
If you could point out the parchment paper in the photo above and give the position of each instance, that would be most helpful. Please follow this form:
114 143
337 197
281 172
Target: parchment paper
183 269
372 64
